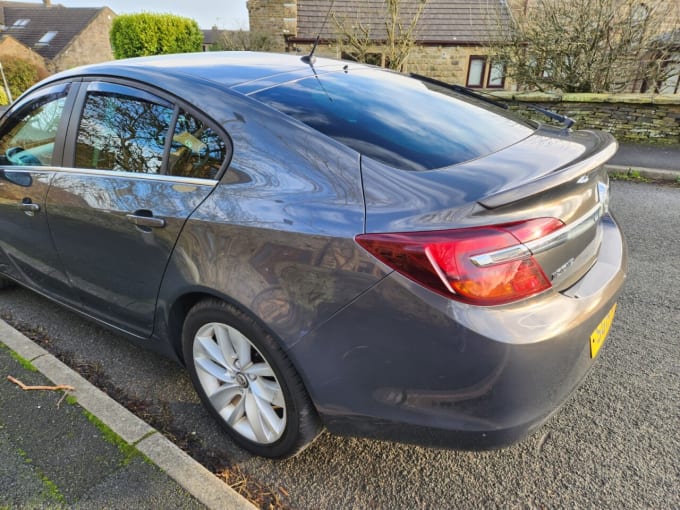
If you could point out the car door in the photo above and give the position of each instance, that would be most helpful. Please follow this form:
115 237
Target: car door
31 143
124 194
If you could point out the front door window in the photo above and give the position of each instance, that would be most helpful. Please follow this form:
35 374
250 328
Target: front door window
122 129
29 135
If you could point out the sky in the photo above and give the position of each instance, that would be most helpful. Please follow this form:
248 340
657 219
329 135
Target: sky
227 14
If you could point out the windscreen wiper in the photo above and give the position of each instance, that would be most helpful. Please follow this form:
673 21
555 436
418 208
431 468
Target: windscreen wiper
567 122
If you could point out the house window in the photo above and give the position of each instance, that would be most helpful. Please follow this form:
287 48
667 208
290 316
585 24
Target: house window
548 69
496 76
20 23
476 69
47 38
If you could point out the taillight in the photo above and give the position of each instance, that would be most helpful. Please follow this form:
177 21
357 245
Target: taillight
478 265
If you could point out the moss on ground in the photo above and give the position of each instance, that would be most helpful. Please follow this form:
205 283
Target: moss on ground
23 361
129 452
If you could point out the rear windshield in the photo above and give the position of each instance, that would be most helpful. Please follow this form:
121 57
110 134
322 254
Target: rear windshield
400 121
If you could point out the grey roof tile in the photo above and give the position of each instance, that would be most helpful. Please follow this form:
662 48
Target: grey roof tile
442 21
67 22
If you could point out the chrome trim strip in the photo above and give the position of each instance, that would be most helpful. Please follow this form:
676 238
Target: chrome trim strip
137 175
546 243
565 234
504 255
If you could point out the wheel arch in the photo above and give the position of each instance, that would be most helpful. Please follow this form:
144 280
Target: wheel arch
205 314
181 306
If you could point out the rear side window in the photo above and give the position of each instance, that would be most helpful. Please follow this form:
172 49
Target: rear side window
397 120
122 129
196 149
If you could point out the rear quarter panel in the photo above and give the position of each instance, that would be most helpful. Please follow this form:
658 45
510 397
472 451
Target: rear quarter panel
276 237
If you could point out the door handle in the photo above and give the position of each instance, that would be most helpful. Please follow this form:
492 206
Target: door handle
29 207
142 220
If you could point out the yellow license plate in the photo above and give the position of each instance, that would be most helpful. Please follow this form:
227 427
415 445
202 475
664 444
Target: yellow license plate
601 331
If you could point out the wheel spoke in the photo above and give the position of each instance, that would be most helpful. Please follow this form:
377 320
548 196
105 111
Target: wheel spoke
213 369
242 347
260 369
270 419
255 418
225 345
238 412
210 348
269 391
278 400
225 395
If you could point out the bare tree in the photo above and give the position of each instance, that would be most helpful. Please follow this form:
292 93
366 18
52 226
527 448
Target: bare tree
585 45
243 40
387 28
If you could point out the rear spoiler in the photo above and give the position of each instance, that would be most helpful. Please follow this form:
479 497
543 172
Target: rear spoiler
606 149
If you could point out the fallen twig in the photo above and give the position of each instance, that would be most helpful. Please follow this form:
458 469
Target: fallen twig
541 442
60 387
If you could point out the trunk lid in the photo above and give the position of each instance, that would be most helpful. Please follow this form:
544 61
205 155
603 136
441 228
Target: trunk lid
550 174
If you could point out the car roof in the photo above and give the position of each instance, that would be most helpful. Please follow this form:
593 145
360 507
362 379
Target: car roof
228 69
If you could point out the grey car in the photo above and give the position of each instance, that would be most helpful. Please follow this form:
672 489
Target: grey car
320 243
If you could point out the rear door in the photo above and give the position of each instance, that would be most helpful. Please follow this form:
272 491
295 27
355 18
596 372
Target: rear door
136 166
31 142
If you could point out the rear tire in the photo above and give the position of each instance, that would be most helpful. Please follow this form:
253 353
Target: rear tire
246 381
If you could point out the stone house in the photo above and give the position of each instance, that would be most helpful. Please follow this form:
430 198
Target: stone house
452 35
671 84
669 55
53 36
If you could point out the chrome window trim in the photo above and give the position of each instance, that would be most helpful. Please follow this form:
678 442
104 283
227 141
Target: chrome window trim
138 175
154 90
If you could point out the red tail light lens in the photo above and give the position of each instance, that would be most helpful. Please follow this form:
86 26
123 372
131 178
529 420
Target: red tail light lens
480 265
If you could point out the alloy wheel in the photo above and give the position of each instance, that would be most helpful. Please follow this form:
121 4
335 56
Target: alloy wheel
239 383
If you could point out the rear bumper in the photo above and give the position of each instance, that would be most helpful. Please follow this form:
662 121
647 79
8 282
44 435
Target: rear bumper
402 363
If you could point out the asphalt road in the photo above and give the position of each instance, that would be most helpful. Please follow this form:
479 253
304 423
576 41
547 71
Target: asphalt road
615 444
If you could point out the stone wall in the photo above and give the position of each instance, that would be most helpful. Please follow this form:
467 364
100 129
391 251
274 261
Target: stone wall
91 46
446 63
276 18
629 117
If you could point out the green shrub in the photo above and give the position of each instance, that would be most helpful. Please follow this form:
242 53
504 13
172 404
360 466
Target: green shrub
20 74
137 35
